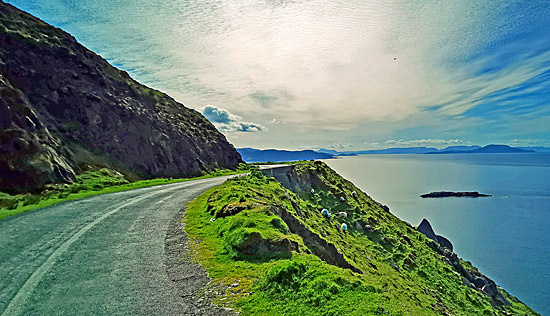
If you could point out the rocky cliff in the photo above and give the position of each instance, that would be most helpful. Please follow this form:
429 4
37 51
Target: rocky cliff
64 109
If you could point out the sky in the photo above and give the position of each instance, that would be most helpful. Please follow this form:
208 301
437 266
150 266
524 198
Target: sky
343 75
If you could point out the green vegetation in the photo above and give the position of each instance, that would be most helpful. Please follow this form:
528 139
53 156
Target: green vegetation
260 267
91 183
268 163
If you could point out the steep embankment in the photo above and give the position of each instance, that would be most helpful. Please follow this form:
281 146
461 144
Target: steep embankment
64 110
270 250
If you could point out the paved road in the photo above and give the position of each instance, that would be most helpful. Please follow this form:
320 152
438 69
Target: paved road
114 254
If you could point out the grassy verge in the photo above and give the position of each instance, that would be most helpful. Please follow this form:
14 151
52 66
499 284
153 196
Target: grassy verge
89 184
259 267
269 163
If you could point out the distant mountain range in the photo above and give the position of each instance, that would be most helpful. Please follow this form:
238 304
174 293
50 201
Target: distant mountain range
258 155
274 155
489 149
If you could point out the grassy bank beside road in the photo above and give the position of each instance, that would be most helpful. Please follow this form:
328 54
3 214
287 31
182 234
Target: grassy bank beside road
270 251
89 184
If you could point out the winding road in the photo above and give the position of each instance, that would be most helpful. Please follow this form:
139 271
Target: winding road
113 254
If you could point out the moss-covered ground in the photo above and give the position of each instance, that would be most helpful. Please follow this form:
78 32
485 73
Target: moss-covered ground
90 183
401 272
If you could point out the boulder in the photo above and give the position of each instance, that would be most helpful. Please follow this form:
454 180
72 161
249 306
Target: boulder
480 282
255 245
426 229
444 242
491 290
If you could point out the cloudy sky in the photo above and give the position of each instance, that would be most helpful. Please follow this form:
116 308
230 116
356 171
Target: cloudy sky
355 74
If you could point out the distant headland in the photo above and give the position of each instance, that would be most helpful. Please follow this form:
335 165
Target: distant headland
259 155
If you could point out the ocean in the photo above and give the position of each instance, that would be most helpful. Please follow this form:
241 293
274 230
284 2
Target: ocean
506 236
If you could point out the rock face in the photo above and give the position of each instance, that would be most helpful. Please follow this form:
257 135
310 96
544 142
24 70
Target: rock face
63 107
476 279
426 228
256 245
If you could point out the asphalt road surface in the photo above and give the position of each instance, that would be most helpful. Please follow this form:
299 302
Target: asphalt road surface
113 254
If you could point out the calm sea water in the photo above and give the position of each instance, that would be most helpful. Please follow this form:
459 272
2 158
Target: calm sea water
506 236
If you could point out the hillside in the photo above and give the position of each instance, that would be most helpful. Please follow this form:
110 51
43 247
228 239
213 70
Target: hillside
65 110
270 251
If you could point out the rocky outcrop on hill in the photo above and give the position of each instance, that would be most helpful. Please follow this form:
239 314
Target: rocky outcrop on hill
473 279
64 108
426 228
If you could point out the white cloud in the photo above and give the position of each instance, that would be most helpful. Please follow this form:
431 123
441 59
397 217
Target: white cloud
423 142
227 122
320 65
372 144
339 146
529 142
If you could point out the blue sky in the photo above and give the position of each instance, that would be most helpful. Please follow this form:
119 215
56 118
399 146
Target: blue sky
342 75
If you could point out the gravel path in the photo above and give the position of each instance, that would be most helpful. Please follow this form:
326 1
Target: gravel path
114 254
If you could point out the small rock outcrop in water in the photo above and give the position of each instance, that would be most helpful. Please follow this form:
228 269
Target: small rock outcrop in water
64 109
442 194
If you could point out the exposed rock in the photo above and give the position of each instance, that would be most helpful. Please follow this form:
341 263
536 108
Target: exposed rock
30 154
230 209
62 106
384 207
426 229
491 290
444 242
255 245
480 282
323 249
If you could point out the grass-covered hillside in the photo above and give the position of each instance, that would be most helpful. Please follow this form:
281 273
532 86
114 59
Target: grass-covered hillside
270 251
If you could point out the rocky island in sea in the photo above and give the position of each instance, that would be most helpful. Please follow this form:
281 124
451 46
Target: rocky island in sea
442 194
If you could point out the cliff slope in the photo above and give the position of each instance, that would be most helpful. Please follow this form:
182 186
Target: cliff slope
272 249
64 110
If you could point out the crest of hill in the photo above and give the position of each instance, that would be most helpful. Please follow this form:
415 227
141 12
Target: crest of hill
65 110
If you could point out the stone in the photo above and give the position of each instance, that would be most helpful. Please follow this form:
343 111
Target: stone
426 229
444 242
255 245
479 282
491 290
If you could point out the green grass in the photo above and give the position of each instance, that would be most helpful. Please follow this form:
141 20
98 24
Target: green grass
402 274
88 184
268 163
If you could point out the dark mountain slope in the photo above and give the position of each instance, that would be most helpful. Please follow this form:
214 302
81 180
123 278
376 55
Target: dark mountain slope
64 109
